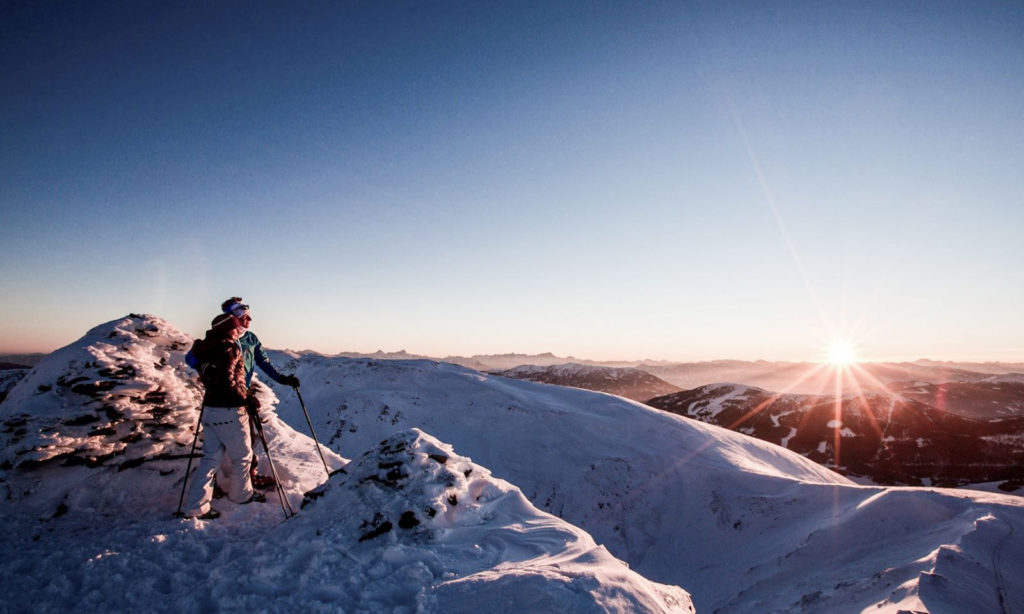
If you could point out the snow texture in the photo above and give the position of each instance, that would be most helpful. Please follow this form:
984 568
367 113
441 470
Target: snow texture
411 526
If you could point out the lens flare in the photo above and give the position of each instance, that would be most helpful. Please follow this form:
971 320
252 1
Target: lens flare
842 353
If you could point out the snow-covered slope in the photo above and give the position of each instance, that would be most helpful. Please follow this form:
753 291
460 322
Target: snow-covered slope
745 526
429 528
95 445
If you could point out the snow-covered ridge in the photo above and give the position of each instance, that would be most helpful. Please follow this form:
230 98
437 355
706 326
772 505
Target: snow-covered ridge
739 523
95 446
743 525
572 368
432 530
622 381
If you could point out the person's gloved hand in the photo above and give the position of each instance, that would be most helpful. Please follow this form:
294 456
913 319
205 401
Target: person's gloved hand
252 403
252 406
290 380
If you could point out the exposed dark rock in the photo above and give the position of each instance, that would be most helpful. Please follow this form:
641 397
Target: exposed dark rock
82 420
94 389
408 520
380 526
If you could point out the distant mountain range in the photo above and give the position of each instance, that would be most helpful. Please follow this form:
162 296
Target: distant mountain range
20 361
889 438
925 422
943 424
622 381
796 377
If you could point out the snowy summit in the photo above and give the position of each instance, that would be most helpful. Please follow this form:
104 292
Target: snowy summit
95 446
467 492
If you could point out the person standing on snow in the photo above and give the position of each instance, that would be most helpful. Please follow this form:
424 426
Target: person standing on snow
225 422
253 355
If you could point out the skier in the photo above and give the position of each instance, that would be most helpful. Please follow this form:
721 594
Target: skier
225 420
253 355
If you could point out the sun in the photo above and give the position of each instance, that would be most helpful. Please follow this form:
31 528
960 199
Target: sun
841 353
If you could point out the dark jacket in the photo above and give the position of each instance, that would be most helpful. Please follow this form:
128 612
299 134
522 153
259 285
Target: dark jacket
221 370
253 355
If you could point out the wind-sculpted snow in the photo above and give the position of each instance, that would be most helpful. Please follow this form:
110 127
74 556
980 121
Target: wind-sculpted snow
120 398
418 528
115 396
745 526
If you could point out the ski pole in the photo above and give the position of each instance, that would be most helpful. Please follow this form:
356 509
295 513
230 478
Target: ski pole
312 432
191 454
286 507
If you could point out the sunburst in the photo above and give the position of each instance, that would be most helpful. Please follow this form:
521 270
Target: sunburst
842 353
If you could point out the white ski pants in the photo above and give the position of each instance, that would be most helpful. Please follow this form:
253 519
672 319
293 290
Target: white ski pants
225 433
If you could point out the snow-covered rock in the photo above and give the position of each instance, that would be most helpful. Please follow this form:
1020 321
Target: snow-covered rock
423 529
121 398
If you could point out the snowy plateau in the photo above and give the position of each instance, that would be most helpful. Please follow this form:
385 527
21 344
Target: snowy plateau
465 492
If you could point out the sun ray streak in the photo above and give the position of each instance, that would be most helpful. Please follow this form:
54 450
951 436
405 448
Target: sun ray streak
862 397
769 197
837 417
775 397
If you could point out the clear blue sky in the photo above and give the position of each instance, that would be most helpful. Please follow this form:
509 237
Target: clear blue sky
669 180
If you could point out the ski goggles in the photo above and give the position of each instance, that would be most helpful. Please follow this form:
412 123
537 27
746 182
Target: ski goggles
238 310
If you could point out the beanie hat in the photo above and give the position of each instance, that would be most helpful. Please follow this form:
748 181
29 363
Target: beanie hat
224 322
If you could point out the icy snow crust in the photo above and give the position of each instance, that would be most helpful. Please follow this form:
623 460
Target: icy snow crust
745 526
409 527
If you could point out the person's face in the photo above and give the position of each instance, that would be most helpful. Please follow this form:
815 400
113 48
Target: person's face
242 313
235 333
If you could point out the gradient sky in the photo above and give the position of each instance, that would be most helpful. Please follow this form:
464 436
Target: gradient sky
609 180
